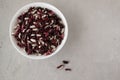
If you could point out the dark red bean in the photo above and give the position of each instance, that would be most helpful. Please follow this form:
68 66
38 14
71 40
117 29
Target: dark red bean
65 61
68 69
60 66
20 45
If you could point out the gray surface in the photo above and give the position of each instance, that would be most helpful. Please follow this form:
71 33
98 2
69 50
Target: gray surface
93 44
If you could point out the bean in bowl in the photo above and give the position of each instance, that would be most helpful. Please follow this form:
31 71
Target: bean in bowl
38 31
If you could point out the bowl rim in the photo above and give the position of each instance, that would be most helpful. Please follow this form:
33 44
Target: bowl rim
38 4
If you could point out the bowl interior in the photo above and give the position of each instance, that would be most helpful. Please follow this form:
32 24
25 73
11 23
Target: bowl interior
23 9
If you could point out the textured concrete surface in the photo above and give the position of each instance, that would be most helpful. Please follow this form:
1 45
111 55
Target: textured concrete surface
93 44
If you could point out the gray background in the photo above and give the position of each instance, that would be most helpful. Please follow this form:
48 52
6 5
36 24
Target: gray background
93 45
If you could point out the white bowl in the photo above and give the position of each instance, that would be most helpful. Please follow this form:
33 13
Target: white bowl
24 8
